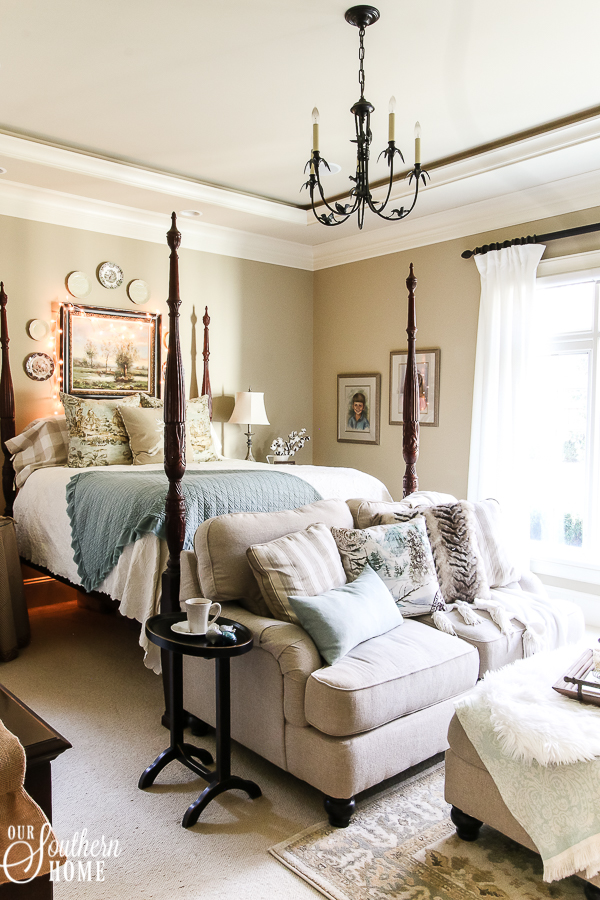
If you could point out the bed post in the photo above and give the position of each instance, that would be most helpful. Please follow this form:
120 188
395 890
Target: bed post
410 408
205 355
7 410
174 409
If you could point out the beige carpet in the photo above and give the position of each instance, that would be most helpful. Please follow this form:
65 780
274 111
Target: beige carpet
402 844
83 673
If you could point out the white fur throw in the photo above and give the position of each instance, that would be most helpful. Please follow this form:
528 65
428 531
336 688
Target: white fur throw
534 722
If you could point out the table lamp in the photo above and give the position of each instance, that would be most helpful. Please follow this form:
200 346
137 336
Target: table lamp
249 410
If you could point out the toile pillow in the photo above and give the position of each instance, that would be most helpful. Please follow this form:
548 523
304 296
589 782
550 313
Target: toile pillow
197 426
305 563
45 442
97 436
400 554
458 561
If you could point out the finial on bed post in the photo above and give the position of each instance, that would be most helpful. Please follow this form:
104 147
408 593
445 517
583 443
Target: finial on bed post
174 414
7 409
205 355
410 408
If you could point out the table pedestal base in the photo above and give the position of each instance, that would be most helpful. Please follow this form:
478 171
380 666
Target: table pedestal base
220 779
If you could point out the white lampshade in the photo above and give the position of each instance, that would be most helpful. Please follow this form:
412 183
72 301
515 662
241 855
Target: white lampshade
249 409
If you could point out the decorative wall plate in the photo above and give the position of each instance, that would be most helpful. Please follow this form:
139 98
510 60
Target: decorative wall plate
138 291
79 285
39 366
110 275
38 329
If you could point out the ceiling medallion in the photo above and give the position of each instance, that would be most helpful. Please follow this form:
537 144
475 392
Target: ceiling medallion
110 275
360 194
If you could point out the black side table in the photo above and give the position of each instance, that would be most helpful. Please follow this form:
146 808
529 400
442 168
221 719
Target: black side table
158 629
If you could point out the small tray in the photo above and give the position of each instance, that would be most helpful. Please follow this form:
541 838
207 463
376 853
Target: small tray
573 683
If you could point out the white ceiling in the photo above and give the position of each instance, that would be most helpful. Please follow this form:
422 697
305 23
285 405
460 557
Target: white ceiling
209 105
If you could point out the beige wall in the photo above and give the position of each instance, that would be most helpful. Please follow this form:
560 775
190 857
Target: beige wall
261 318
360 316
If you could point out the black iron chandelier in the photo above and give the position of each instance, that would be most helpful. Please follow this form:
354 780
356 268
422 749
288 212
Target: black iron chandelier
360 194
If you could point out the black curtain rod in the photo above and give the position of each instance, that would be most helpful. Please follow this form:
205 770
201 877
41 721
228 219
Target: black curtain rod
533 239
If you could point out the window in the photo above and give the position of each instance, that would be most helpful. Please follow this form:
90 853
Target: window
565 408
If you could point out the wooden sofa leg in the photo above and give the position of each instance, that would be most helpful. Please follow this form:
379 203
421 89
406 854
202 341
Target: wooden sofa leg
339 811
467 828
591 891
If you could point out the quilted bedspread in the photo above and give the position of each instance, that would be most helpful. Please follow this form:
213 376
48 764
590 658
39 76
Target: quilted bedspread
109 510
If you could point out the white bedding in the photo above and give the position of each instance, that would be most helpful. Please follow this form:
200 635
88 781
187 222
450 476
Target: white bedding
44 530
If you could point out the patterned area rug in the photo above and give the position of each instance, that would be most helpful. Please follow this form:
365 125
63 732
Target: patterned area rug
402 845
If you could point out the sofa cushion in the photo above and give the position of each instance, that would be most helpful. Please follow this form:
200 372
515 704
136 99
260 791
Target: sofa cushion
305 563
401 556
221 543
496 649
387 677
368 512
345 616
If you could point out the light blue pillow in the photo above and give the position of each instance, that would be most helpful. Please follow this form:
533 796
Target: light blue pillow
345 616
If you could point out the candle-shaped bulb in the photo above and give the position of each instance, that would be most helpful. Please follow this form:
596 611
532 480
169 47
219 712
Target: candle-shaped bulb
315 120
392 120
417 144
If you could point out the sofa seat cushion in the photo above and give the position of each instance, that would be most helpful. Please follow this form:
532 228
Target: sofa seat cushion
409 668
497 649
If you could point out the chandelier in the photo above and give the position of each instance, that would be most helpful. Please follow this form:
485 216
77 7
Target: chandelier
360 194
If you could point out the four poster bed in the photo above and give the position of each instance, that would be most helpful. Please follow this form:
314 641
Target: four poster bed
134 579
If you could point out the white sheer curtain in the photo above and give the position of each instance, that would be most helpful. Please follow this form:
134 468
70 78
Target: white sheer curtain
502 396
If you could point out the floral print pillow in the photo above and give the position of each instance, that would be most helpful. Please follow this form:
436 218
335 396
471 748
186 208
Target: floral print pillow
97 436
401 556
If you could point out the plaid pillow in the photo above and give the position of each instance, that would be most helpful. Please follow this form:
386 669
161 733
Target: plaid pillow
305 563
45 442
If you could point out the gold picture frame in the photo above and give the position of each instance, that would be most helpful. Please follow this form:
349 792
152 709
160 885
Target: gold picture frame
109 352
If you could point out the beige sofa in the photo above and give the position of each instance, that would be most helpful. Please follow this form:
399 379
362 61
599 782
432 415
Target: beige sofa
382 708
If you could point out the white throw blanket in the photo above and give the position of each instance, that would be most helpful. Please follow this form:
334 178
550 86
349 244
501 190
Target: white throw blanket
545 623
543 752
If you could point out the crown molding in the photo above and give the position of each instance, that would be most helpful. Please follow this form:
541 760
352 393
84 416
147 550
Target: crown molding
526 180
44 154
492 214
56 208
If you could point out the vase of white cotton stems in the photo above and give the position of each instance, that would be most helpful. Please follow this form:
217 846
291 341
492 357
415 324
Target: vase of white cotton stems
285 448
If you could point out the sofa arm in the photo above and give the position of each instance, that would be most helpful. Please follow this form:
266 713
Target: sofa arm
533 585
294 651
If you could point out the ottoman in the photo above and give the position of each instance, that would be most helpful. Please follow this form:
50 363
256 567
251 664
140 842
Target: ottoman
475 799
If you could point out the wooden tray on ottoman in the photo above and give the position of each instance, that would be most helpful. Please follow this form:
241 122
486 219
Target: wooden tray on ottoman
573 683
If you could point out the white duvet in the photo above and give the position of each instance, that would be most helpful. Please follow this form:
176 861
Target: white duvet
44 530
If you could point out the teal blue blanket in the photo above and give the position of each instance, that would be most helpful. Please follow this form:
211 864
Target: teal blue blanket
109 510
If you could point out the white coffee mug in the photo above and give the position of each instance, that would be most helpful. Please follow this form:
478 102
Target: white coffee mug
198 612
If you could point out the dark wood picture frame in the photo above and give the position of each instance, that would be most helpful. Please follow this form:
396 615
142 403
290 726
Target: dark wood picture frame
369 386
145 331
428 374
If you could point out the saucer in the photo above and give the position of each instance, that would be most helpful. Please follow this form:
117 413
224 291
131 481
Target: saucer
184 628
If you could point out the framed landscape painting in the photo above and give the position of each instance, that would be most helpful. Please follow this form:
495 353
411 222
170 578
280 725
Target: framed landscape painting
358 404
109 352
428 373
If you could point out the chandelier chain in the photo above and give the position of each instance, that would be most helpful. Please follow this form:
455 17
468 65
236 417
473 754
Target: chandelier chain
361 60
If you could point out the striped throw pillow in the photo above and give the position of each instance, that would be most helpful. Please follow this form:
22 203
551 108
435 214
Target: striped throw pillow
494 544
304 564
